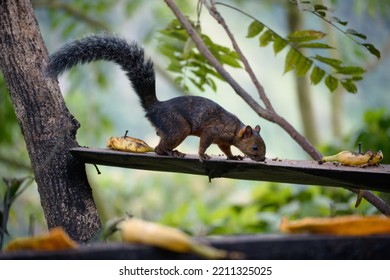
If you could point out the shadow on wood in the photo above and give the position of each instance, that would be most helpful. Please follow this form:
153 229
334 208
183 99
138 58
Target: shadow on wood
282 171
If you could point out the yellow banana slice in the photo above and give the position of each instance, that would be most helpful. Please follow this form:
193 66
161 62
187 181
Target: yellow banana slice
139 231
377 157
355 159
343 225
128 144
56 239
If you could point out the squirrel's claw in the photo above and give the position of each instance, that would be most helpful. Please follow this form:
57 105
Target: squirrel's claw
235 158
177 154
204 157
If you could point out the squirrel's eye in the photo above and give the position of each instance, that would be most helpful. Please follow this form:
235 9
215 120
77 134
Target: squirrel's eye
255 147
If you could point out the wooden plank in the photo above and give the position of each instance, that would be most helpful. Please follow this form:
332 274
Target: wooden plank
260 246
282 171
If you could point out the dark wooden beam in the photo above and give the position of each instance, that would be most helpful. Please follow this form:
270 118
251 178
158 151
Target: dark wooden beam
260 246
272 170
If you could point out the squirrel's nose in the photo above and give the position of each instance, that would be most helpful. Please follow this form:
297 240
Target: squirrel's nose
258 158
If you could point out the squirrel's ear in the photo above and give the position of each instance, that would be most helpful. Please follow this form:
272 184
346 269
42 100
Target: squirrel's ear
257 128
245 132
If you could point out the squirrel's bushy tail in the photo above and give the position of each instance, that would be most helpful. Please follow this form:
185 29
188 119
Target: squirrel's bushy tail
130 56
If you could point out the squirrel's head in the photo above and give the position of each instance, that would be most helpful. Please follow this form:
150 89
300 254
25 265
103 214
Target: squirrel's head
250 143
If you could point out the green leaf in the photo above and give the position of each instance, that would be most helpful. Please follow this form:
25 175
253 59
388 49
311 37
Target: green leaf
212 84
303 65
266 38
355 33
177 34
291 59
229 60
351 70
321 13
339 21
305 36
372 50
330 61
169 50
331 82
69 28
320 8
349 86
197 84
315 46
279 44
188 47
356 78
316 75
254 29
175 67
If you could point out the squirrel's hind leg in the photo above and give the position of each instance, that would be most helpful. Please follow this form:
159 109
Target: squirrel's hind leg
204 142
168 143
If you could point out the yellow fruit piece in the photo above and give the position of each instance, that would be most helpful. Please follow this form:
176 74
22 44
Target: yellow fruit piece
377 157
56 239
355 159
128 144
343 225
139 231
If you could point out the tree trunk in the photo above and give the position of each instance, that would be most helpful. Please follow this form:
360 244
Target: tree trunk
48 128
302 84
336 97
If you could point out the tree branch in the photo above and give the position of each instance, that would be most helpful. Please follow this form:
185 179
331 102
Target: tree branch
268 112
374 200
215 14
265 113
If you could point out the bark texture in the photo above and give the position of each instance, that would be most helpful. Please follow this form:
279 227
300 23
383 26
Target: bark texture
48 128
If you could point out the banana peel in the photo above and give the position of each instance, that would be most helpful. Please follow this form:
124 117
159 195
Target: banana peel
55 239
139 231
355 159
128 144
344 225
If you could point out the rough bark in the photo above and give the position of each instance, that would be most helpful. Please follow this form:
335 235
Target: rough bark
48 128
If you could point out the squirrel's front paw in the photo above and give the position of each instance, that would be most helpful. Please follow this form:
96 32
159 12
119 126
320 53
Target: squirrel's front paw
235 158
177 154
204 157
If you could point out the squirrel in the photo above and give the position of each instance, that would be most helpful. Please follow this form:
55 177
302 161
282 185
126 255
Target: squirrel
173 119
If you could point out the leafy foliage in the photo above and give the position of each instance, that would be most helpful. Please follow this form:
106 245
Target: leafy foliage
375 132
13 188
334 75
322 12
7 115
191 67
185 61
373 7
269 203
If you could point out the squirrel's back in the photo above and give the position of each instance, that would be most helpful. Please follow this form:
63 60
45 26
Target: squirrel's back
174 119
130 56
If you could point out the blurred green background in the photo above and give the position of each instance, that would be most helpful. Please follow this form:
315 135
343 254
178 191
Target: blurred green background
100 97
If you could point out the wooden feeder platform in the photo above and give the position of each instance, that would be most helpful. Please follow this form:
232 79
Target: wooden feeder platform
272 170
255 247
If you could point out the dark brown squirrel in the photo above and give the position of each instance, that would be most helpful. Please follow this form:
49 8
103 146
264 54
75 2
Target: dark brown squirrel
174 119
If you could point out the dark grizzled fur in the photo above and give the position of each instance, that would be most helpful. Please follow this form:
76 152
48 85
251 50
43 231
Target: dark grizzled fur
174 119
130 56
